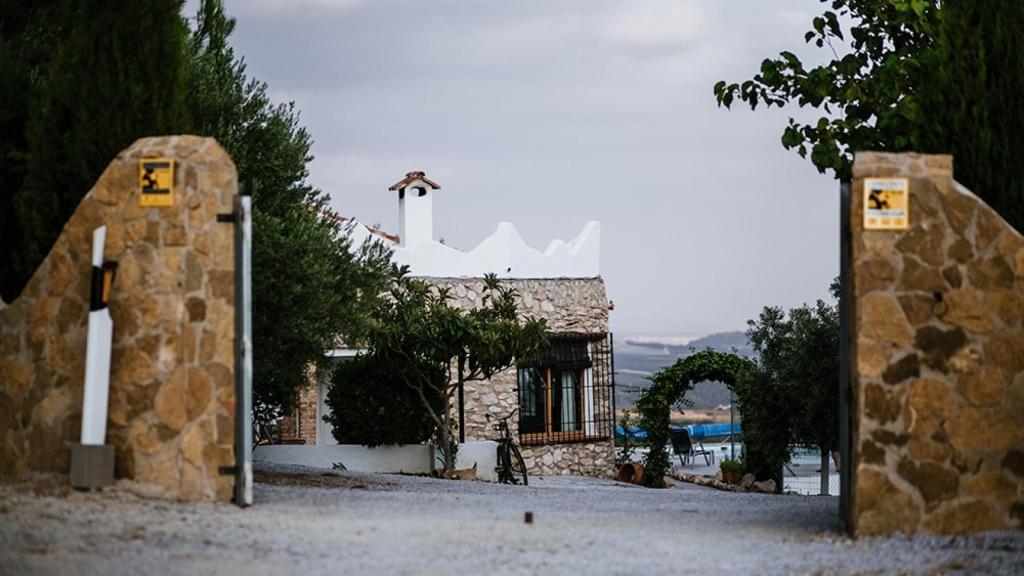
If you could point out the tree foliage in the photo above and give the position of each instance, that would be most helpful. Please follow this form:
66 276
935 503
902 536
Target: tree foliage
27 40
416 334
310 288
866 87
371 408
767 425
82 80
793 396
899 75
971 96
798 353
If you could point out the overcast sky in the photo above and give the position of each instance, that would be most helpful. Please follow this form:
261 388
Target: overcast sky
550 113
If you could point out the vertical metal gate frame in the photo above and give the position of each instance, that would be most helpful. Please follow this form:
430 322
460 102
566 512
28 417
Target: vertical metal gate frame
243 350
611 354
845 392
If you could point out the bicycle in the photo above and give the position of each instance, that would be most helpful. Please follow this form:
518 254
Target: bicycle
511 468
265 433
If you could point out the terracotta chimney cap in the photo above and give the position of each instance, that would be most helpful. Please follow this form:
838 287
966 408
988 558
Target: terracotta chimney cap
411 177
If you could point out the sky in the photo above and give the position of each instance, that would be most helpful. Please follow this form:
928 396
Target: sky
550 113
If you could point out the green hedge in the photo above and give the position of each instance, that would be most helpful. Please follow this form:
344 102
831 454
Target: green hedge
371 409
669 387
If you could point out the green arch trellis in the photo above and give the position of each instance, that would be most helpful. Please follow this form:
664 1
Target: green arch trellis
669 387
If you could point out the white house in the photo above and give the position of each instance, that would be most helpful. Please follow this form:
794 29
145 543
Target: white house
565 422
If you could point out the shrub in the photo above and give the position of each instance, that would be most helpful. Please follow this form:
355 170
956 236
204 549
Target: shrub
628 442
732 467
370 408
767 424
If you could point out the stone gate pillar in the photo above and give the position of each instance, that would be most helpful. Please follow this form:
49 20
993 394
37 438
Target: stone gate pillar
937 358
171 415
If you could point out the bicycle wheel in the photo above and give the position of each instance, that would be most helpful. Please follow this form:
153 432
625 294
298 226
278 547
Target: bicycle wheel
517 466
503 468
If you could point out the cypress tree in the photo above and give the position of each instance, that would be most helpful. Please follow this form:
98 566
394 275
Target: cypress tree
29 33
117 76
971 96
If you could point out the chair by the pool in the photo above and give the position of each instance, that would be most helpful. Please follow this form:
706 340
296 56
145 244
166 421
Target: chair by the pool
683 447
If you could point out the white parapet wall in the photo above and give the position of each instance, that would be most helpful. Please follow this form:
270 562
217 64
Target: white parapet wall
503 253
407 459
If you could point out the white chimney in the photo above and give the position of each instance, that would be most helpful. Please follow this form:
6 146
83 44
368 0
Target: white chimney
415 208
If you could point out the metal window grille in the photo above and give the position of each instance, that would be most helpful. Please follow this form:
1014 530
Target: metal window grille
566 394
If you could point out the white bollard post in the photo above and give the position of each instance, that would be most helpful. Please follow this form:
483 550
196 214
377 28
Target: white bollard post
97 352
92 461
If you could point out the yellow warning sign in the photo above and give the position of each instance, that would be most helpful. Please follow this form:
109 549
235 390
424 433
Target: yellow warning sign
886 203
156 180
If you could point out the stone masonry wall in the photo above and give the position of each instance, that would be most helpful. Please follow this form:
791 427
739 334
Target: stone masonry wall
581 459
937 359
171 411
568 305
299 426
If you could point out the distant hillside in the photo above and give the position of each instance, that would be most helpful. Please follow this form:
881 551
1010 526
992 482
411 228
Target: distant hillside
637 358
678 348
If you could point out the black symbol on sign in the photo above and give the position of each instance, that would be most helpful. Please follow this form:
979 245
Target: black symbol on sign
877 202
149 180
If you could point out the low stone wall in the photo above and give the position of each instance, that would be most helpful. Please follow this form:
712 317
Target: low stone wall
300 425
171 415
583 459
937 359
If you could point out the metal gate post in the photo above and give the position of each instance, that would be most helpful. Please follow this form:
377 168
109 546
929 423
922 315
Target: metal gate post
845 394
824 473
611 355
243 350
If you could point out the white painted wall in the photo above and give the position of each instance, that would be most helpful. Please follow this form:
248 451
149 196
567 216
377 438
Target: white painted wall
408 459
503 253
482 454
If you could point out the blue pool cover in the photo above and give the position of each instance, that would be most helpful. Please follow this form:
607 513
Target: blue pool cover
702 431
697 431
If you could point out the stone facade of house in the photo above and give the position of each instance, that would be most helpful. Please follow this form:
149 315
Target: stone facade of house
937 359
577 305
171 409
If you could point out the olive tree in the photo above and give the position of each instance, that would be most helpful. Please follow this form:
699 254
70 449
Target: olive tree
417 333
310 285
798 360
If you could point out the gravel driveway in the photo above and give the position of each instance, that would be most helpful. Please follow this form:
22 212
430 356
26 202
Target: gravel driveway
307 523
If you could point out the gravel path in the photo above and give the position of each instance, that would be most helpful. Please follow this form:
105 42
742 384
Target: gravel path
308 523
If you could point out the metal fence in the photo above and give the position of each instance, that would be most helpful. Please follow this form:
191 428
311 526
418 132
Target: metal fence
567 394
807 473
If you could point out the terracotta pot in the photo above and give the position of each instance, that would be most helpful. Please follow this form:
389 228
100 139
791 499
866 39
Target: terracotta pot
730 477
